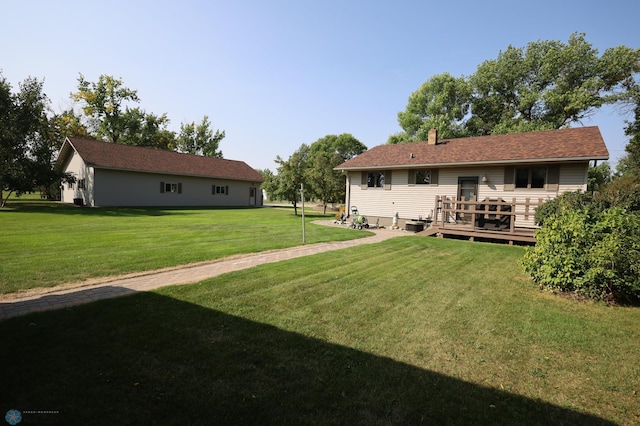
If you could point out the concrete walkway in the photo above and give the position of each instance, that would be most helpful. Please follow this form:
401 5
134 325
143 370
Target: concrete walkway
12 305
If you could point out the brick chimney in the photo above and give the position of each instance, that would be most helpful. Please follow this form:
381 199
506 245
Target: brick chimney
432 137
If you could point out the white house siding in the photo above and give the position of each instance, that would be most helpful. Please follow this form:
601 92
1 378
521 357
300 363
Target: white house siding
573 177
77 167
415 201
408 201
124 188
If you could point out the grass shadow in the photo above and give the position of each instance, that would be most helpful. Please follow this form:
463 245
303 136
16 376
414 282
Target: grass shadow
150 359
10 309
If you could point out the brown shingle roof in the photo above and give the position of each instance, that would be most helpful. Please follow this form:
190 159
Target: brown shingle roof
105 155
580 143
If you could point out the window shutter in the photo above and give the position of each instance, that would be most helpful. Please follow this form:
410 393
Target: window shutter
213 190
226 190
434 176
412 177
553 178
179 188
509 173
387 180
363 180
162 187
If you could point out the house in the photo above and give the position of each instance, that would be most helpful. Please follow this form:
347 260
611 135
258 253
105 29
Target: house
109 174
436 181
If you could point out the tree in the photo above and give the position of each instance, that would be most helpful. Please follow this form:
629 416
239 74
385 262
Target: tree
291 175
269 182
27 149
630 163
147 129
545 85
442 102
104 104
598 176
68 124
200 139
324 155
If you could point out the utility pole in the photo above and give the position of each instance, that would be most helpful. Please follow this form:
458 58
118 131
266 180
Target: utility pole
302 195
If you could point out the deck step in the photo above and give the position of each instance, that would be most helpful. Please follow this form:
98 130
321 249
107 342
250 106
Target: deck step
432 230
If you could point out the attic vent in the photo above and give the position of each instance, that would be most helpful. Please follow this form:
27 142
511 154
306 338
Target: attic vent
411 155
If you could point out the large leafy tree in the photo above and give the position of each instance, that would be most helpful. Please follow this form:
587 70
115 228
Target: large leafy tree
27 139
105 104
68 124
200 139
147 129
545 85
324 155
442 102
110 115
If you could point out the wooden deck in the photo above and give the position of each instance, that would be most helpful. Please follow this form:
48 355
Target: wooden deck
487 220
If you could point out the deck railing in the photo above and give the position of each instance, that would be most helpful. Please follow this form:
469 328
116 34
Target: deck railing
488 215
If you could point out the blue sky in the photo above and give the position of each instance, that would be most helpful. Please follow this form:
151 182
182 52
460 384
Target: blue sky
279 73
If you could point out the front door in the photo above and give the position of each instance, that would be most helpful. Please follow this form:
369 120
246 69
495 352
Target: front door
252 196
467 191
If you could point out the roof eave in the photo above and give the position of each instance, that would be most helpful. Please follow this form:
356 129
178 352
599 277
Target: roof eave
156 172
476 163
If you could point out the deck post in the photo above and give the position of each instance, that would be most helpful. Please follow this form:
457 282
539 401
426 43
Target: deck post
512 222
473 214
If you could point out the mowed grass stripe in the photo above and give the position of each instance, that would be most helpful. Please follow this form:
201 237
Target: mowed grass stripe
406 331
51 244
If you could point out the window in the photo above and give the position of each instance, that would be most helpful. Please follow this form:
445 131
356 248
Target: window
423 177
522 178
219 190
531 177
70 185
171 187
538 177
81 184
375 180
380 179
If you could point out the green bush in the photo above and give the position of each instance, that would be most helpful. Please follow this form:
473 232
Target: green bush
564 202
588 250
621 192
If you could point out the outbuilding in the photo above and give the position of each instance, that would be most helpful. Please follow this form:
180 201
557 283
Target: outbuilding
109 174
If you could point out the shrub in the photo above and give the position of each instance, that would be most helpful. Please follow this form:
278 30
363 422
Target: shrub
590 251
622 192
564 202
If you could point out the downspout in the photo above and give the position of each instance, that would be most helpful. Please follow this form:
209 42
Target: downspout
347 200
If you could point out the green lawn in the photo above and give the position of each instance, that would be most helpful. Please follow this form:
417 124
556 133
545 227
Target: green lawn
408 331
43 244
